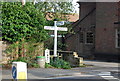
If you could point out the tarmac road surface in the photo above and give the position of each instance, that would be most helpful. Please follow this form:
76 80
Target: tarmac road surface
100 71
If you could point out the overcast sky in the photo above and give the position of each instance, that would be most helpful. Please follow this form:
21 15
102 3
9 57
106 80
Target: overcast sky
76 5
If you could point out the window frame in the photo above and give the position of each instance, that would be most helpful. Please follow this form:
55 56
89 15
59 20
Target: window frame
86 37
116 44
82 37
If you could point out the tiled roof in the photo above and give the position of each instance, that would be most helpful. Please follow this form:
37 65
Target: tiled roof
72 17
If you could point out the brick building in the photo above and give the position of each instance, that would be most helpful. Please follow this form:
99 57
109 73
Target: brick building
97 32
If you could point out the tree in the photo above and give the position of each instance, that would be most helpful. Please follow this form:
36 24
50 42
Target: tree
56 10
22 22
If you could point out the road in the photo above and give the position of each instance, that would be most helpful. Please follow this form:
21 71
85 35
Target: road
100 71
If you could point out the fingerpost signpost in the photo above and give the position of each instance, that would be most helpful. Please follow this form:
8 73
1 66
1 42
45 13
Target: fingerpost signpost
55 29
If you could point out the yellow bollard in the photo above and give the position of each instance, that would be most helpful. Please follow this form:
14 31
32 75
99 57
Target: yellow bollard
19 71
22 75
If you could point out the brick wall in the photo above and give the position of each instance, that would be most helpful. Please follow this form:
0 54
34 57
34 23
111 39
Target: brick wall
88 19
103 17
105 27
85 8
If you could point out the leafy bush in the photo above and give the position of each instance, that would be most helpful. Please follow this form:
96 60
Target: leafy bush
35 65
20 59
59 63
20 22
23 28
30 63
48 65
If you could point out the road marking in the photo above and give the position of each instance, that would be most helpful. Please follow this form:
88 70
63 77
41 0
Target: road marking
107 75
104 74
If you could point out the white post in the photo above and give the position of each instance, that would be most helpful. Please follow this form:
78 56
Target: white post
47 56
55 28
55 39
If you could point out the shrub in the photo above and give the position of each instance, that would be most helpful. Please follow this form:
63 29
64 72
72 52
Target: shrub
59 63
35 65
20 59
30 63
48 65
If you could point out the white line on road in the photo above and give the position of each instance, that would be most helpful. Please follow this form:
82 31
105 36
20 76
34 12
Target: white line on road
107 75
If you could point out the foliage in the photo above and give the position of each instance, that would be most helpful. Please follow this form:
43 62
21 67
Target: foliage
35 65
61 42
59 63
56 10
20 59
23 26
48 65
50 45
30 63
61 45
6 66
11 50
31 50
22 22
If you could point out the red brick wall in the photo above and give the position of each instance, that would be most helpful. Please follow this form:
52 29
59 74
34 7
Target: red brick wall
85 8
73 42
103 18
118 11
105 27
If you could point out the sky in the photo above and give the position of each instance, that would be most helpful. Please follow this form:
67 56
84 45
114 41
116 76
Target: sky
76 5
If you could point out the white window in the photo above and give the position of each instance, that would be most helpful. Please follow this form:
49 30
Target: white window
89 38
117 38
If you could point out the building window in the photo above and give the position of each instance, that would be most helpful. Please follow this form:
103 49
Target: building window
81 37
89 38
118 38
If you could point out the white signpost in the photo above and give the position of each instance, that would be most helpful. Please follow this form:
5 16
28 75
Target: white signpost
59 23
55 28
57 36
47 56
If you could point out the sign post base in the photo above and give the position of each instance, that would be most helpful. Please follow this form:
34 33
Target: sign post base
55 59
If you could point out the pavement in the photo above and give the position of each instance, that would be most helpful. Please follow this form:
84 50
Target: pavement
97 70
102 63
